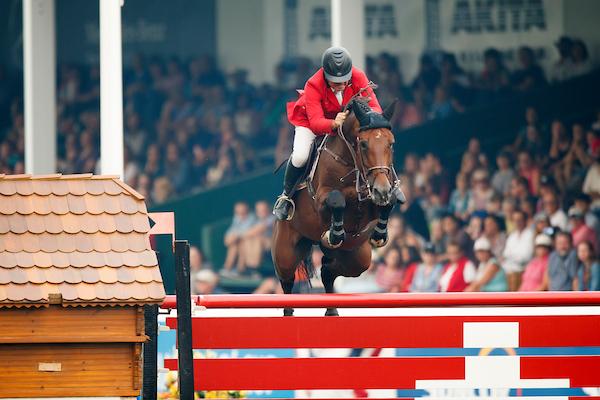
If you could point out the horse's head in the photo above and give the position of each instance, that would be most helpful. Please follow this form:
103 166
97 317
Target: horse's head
373 141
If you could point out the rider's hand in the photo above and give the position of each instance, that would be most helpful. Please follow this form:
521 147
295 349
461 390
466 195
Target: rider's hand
339 119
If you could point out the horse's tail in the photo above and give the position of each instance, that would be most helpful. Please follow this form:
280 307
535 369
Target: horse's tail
307 268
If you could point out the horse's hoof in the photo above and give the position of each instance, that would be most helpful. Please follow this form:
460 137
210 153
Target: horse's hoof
325 240
377 243
332 312
288 312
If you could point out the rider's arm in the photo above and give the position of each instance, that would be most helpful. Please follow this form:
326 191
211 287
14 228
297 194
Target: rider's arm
314 111
360 79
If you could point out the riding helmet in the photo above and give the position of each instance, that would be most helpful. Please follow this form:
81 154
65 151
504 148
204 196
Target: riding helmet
337 64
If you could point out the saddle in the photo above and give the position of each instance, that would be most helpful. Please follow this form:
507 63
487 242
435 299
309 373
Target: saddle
309 169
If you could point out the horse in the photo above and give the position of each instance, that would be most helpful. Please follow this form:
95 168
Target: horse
345 205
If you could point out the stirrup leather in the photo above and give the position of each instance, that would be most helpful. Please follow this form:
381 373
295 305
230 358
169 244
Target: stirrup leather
284 198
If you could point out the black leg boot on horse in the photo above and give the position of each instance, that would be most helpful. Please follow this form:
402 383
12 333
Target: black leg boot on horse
335 235
328 277
282 206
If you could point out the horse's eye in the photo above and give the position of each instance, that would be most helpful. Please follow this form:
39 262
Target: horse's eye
364 145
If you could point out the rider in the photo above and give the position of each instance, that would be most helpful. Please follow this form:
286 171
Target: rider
318 111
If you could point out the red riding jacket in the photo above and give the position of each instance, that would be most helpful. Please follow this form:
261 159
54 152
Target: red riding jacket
317 105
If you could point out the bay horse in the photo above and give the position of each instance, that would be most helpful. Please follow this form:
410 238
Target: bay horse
354 188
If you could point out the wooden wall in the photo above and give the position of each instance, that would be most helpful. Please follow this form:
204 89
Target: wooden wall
71 351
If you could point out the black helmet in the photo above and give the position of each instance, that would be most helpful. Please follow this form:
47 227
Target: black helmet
337 64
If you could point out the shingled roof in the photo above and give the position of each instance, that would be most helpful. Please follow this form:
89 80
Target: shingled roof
75 240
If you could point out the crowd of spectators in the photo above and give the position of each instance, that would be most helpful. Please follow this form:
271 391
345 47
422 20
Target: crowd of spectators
190 125
506 221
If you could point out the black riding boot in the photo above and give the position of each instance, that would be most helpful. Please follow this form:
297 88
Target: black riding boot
282 205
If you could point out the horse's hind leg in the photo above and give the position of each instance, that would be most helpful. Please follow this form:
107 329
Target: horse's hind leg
287 287
328 275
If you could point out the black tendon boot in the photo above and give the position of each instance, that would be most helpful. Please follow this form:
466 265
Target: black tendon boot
281 210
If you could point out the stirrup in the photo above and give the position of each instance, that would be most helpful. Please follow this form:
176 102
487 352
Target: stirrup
284 198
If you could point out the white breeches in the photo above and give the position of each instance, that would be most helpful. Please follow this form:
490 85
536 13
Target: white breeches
303 139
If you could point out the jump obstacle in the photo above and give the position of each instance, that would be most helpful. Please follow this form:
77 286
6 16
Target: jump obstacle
527 344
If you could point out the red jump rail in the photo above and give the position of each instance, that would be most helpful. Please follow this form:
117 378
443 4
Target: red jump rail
392 300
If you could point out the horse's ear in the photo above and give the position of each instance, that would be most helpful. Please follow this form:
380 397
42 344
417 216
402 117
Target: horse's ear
360 110
388 113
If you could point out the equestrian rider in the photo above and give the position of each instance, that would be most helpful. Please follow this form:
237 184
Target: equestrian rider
318 111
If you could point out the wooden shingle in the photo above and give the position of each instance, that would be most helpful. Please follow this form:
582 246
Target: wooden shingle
80 237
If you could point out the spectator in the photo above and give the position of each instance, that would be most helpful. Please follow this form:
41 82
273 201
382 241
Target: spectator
428 75
530 75
588 269
503 176
493 232
581 63
518 250
258 237
428 272
460 197
390 273
459 272
557 216
582 203
235 241
490 276
530 171
206 282
482 192
410 258
176 168
414 216
580 232
535 277
197 261
563 68
591 183
161 190
494 78
562 264
454 233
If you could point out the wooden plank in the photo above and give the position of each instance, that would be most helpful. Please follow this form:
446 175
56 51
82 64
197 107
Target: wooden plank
62 321
395 332
320 373
73 339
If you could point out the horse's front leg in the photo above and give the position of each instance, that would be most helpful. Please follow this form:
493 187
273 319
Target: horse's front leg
335 235
379 238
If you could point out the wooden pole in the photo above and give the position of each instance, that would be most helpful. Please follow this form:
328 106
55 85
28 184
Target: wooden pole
149 389
184 316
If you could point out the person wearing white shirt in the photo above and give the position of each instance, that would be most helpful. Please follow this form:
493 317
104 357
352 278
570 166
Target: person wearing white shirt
518 250
558 218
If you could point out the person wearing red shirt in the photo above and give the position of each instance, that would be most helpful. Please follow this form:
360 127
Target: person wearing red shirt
318 111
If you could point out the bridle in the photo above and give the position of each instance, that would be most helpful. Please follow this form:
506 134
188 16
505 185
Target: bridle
362 173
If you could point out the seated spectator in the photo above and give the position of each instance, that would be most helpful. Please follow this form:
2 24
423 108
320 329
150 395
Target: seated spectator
494 232
541 223
390 273
551 208
504 175
161 190
518 250
580 232
560 143
406 114
460 197
197 261
527 168
530 75
475 226
428 272
581 63
490 276
258 237
535 277
494 78
562 264
410 258
583 203
454 233
413 213
481 191
459 272
238 247
206 282
588 268
591 184
562 69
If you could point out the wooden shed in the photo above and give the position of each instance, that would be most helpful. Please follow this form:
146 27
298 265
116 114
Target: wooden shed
76 269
